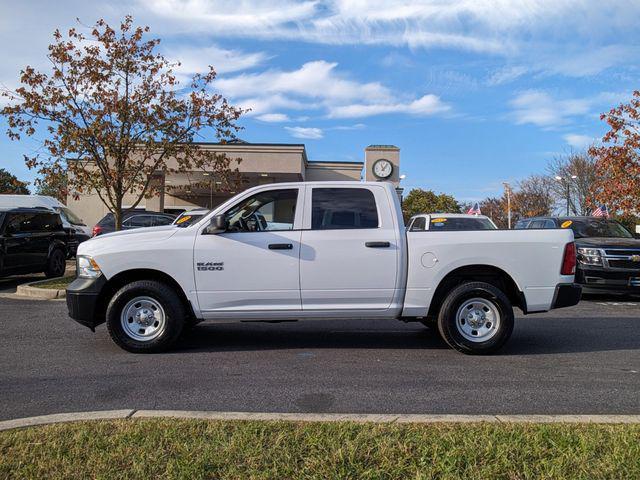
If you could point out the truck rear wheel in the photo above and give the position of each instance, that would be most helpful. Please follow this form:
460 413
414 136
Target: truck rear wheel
476 318
145 316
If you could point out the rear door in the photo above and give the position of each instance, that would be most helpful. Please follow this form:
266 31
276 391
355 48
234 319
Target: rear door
349 252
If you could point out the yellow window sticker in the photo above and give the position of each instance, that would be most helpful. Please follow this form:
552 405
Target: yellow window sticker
183 219
438 220
566 224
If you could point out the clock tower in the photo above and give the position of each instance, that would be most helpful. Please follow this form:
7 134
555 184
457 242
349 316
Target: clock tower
382 164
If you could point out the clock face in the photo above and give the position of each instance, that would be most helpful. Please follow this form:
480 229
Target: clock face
382 168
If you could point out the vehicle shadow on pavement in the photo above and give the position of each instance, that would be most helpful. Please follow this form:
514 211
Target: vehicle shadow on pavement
305 335
542 336
10 284
573 335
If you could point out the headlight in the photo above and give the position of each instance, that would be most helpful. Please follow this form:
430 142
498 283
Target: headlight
589 256
86 267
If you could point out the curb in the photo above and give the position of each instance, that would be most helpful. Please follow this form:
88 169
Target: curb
28 290
312 417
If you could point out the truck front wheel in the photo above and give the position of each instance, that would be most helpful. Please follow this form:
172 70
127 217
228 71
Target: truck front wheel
145 316
476 318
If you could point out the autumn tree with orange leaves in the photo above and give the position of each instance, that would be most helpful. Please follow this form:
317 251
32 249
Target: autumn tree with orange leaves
618 158
112 114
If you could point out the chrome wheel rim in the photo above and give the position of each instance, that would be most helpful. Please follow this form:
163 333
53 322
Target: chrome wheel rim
478 320
143 319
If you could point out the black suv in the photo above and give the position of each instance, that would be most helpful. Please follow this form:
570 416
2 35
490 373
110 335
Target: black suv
133 219
32 240
608 255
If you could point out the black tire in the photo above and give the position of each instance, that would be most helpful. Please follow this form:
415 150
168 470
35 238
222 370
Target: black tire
448 323
173 311
56 264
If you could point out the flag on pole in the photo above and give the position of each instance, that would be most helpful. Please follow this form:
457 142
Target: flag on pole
601 211
475 210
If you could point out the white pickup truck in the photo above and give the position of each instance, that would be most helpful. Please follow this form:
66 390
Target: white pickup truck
318 250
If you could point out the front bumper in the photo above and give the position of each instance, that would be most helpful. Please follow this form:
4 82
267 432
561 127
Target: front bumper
567 295
83 295
596 279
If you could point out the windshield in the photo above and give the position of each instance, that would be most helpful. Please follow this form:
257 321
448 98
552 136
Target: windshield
460 223
598 228
185 219
71 217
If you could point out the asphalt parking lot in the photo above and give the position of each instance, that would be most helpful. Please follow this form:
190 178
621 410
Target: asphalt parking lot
584 359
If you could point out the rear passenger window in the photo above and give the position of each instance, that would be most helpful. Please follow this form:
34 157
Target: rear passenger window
343 208
549 224
536 224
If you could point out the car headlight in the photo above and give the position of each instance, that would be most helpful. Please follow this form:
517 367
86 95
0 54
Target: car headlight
86 267
589 256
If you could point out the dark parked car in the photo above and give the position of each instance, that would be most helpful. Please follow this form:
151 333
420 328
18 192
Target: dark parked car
32 240
608 254
133 219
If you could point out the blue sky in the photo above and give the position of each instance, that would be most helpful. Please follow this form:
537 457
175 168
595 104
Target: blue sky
474 92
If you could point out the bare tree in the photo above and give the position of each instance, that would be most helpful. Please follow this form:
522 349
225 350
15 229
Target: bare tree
534 197
578 190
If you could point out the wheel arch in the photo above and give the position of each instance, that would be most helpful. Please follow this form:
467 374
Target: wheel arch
478 273
127 276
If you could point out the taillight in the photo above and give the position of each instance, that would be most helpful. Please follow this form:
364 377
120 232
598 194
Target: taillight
569 260
96 231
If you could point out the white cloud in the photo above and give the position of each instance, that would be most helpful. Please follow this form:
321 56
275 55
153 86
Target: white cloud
427 105
197 59
577 141
305 132
506 75
318 85
572 37
355 126
316 79
541 109
273 117
268 103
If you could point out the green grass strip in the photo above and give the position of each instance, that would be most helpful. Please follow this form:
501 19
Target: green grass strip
199 449
56 283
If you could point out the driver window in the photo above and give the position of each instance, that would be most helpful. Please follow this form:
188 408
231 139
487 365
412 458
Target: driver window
265 211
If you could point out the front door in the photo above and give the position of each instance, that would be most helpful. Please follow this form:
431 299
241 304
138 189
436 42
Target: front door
350 251
254 265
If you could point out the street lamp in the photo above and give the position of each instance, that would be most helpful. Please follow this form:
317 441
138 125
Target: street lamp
568 180
507 188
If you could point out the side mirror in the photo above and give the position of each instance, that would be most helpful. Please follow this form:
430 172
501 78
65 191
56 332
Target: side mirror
218 224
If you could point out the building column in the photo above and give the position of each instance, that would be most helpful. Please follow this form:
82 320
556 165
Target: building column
156 202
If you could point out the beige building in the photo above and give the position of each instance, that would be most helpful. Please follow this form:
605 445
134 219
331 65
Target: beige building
260 163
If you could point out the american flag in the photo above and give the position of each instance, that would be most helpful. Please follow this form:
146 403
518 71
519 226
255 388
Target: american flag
601 211
475 210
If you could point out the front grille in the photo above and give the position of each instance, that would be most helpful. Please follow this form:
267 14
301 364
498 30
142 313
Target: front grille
624 264
627 252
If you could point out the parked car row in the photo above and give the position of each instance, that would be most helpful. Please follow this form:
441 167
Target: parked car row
608 254
38 233
32 240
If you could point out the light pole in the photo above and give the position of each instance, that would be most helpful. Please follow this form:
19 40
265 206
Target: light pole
568 180
507 189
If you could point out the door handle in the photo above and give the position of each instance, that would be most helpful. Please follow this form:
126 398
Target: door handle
377 244
280 246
